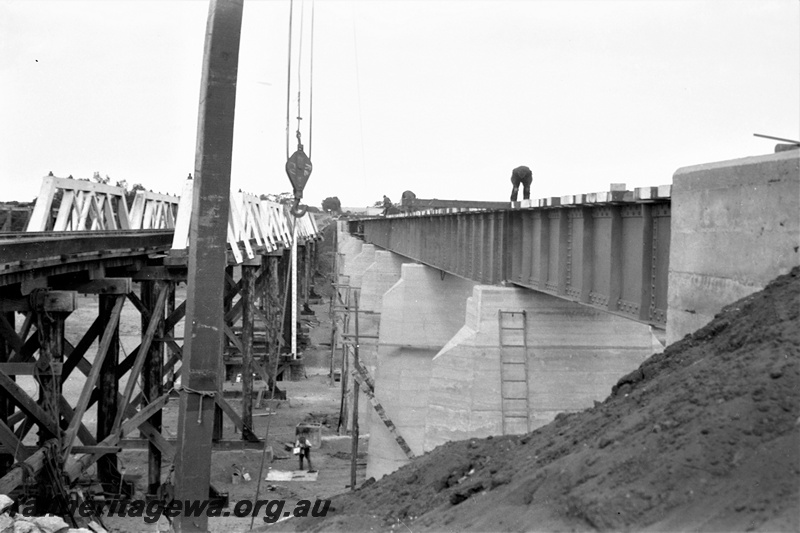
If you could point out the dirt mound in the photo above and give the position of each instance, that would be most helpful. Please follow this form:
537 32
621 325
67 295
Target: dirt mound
704 436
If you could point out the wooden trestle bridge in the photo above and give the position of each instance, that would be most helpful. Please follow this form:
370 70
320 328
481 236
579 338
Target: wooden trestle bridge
83 239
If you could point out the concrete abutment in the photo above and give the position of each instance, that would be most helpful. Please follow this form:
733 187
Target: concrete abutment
735 227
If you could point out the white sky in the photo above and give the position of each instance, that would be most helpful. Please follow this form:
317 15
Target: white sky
440 97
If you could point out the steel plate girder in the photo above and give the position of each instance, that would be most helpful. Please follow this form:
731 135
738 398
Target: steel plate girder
612 256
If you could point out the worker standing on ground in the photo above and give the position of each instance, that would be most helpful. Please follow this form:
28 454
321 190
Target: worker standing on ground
304 450
524 176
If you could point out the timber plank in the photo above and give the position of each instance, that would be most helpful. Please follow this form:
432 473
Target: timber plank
247 432
91 378
74 358
67 413
11 442
8 333
16 476
27 404
234 338
144 347
29 369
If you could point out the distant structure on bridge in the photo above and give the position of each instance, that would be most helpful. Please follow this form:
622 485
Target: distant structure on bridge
416 205
421 204
14 216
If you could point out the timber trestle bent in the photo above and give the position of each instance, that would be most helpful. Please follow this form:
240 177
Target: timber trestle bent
65 400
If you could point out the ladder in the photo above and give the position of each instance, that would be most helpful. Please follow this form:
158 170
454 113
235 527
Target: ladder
514 372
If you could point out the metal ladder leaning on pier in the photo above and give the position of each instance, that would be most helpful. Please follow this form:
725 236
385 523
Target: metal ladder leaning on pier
514 371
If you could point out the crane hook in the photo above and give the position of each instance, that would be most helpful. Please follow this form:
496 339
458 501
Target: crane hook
298 168
298 210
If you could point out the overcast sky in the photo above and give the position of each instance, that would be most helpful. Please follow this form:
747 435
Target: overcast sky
440 97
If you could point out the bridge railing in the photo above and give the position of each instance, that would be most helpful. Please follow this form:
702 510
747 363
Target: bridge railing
152 210
89 206
607 250
83 205
266 223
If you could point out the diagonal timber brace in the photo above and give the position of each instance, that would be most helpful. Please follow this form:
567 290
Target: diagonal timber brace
27 404
144 347
91 379
362 376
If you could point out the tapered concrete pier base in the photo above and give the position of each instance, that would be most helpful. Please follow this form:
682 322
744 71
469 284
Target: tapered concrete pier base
575 355
370 283
347 249
353 271
378 278
354 268
420 313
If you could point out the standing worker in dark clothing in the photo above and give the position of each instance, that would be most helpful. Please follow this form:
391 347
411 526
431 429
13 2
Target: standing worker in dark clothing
524 176
387 204
304 450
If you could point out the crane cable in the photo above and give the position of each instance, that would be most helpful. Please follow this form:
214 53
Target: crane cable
311 83
310 75
289 77
298 165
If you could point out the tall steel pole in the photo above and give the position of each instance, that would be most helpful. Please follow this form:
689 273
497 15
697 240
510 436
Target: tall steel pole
207 258
294 287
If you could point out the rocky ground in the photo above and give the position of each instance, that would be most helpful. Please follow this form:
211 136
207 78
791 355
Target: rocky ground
703 437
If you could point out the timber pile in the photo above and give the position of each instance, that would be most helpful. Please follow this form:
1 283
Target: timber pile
701 437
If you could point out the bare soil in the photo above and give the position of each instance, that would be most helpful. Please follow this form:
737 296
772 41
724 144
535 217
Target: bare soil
312 399
703 437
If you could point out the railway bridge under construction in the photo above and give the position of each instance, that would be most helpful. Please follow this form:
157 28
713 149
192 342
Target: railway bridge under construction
472 322
487 322
454 324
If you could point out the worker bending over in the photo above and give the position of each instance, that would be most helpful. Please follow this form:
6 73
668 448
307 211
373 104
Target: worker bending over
524 176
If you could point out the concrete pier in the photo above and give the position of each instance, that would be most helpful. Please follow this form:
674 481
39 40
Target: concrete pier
375 280
348 247
356 258
357 263
575 355
420 314
379 277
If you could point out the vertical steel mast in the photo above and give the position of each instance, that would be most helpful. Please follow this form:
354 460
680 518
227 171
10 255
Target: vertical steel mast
207 257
